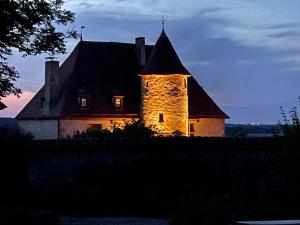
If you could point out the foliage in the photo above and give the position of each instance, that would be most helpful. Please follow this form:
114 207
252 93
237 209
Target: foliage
135 129
243 130
16 134
31 27
8 75
195 209
92 133
291 127
177 133
290 155
132 129
239 130
23 216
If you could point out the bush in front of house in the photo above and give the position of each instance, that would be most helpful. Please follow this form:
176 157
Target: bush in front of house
134 129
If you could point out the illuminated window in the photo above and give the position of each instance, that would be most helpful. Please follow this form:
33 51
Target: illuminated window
83 102
118 102
95 126
161 117
192 127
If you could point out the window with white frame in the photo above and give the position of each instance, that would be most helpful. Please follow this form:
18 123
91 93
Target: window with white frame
118 102
83 102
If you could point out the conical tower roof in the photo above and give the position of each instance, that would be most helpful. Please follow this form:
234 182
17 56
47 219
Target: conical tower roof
163 59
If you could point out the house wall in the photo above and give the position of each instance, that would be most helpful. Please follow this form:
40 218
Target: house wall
167 95
207 127
40 129
68 126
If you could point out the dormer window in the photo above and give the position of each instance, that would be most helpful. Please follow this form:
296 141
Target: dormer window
83 102
118 102
83 99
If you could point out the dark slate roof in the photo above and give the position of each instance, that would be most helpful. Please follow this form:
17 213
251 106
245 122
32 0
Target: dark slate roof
33 111
101 70
163 59
200 104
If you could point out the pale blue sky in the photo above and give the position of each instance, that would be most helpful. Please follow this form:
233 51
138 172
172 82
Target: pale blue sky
245 53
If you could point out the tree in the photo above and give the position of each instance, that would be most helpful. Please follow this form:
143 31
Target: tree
31 27
291 127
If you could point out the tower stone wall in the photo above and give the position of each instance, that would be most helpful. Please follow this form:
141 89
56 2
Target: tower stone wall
164 103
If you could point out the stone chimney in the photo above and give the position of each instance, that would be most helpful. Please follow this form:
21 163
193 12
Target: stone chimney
51 82
140 50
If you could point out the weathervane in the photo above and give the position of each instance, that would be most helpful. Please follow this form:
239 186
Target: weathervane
163 23
81 29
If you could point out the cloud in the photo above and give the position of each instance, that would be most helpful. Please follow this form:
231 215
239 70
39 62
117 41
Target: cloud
198 63
246 22
246 62
290 59
15 104
234 105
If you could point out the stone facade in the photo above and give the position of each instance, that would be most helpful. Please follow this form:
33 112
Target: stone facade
165 103
68 126
207 127
40 129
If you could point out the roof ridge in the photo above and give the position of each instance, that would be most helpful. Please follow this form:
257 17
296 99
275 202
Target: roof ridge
110 42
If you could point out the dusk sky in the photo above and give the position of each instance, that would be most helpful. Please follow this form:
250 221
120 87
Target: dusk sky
244 53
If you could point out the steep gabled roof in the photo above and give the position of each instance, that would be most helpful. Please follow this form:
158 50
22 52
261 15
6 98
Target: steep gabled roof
101 69
33 109
200 104
163 59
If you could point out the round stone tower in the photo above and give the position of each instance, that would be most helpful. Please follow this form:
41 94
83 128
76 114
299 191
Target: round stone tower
164 90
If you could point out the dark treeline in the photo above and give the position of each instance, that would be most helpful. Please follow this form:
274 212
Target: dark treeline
179 178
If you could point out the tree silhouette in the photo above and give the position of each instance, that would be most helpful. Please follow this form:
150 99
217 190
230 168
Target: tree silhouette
31 27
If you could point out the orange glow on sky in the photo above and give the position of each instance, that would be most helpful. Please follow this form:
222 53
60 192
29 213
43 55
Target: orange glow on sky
15 104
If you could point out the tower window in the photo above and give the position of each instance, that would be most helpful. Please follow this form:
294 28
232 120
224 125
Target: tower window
192 127
161 117
185 82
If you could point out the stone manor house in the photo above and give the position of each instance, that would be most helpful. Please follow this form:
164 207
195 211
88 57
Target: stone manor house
105 84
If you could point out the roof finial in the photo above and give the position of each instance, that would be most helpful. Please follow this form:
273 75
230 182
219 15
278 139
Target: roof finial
81 28
163 23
